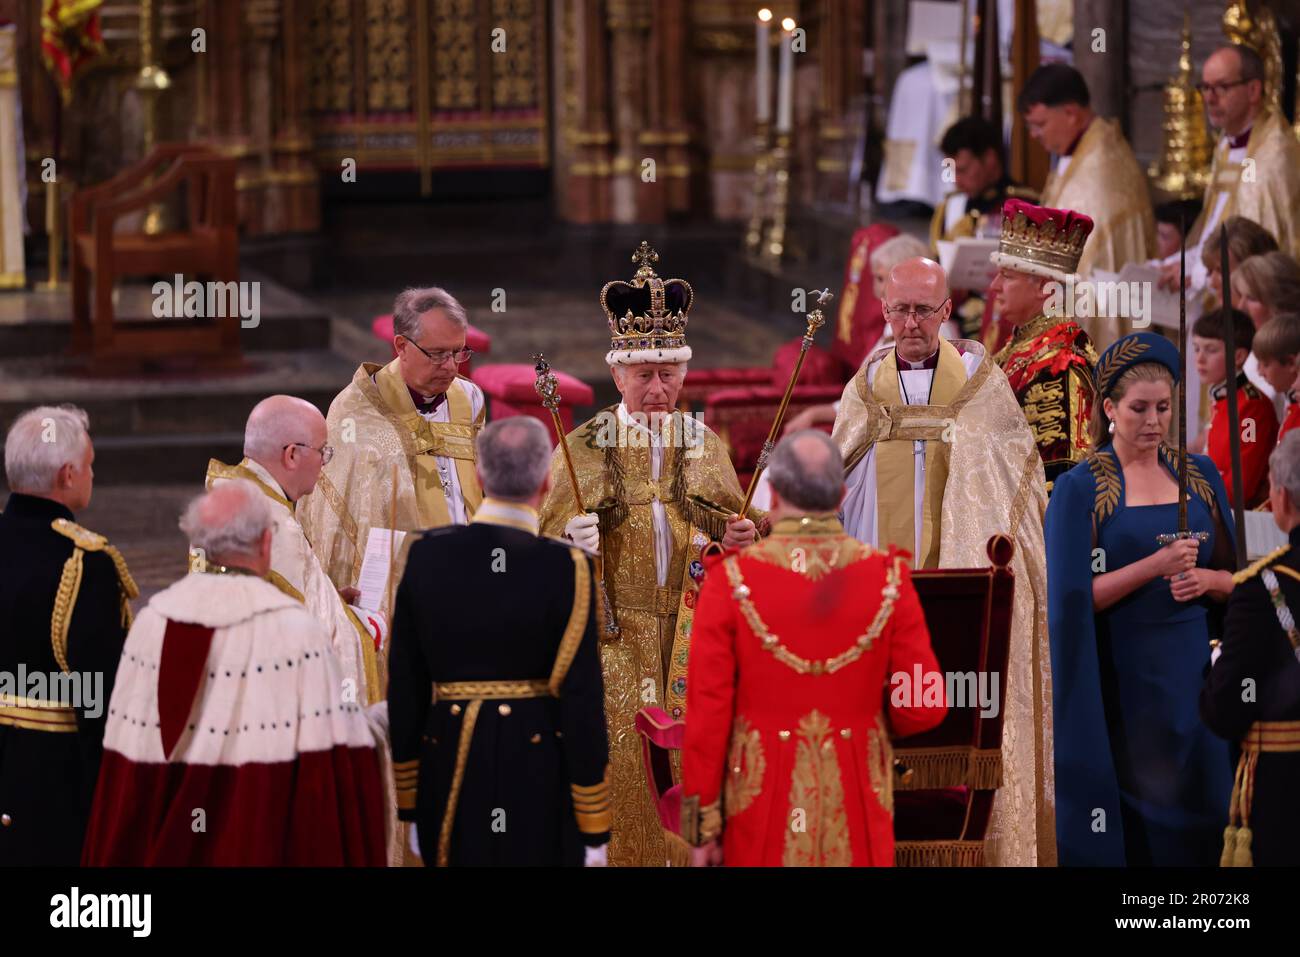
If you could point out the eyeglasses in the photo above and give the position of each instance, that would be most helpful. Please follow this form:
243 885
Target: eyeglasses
326 452
440 356
922 312
1218 89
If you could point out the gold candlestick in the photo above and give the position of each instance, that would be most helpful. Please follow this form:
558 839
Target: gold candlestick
774 247
762 168
150 82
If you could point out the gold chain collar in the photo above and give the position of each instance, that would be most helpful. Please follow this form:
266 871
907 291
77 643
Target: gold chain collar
770 642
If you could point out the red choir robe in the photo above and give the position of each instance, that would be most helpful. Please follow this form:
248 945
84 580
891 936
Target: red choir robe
787 748
1258 440
233 739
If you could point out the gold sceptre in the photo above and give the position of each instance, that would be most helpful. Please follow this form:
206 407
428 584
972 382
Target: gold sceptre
549 390
815 321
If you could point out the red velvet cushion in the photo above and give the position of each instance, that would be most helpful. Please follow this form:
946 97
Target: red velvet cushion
1065 219
514 383
820 367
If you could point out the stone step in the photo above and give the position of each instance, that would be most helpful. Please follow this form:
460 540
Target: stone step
183 458
159 409
39 323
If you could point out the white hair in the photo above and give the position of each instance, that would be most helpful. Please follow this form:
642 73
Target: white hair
275 422
1284 466
40 442
514 456
227 520
897 249
411 304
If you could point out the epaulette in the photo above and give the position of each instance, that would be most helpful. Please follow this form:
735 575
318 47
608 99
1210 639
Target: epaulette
1251 390
65 599
84 538
1254 568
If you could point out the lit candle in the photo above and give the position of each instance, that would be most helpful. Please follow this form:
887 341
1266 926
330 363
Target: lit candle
764 74
785 81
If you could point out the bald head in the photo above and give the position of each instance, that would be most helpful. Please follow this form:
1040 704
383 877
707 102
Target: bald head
231 525
286 435
917 286
807 472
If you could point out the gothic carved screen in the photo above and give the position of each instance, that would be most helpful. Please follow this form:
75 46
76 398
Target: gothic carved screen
429 84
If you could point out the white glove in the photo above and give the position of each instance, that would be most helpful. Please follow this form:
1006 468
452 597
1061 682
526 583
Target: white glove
414 841
584 531
596 856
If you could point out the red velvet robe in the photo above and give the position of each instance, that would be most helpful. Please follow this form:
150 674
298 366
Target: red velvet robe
233 739
799 753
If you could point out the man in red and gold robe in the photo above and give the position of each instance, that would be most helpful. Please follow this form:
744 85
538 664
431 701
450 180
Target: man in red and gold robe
230 741
787 758
1049 360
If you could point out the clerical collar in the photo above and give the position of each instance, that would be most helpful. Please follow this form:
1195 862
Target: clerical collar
1219 391
1069 150
1240 140
493 511
814 524
426 404
929 363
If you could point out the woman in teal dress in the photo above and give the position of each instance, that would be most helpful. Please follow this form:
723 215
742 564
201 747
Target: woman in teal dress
1139 779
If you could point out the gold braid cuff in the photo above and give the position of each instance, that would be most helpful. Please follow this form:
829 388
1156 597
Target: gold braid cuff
591 806
406 774
700 825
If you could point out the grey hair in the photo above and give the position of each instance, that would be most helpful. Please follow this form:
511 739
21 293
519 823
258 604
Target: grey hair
815 487
40 442
514 456
411 304
227 520
896 250
1284 466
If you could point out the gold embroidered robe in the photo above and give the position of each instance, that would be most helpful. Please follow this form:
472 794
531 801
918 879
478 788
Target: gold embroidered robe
1271 194
993 484
646 664
1104 181
380 439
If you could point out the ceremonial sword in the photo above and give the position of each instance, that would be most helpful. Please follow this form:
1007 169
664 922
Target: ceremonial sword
1234 415
1183 530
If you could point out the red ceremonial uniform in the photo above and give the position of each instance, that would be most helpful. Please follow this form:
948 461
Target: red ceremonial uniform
788 737
1252 407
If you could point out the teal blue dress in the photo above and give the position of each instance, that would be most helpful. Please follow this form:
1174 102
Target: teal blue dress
1139 779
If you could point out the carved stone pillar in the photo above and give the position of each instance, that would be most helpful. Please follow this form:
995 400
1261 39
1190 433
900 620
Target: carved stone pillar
841 107
629 24
667 137
295 172
583 68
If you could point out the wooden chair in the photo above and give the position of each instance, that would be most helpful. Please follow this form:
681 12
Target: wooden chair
207 246
947 777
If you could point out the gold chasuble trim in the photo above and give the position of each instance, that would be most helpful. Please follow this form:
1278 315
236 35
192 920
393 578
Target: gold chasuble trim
895 458
454 439
220 470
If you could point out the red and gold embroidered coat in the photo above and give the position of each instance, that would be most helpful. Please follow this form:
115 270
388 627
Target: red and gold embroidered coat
1259 431
787 750
1049 363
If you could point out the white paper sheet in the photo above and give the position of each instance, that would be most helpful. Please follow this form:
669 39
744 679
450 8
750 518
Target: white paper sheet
966 261
382 548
